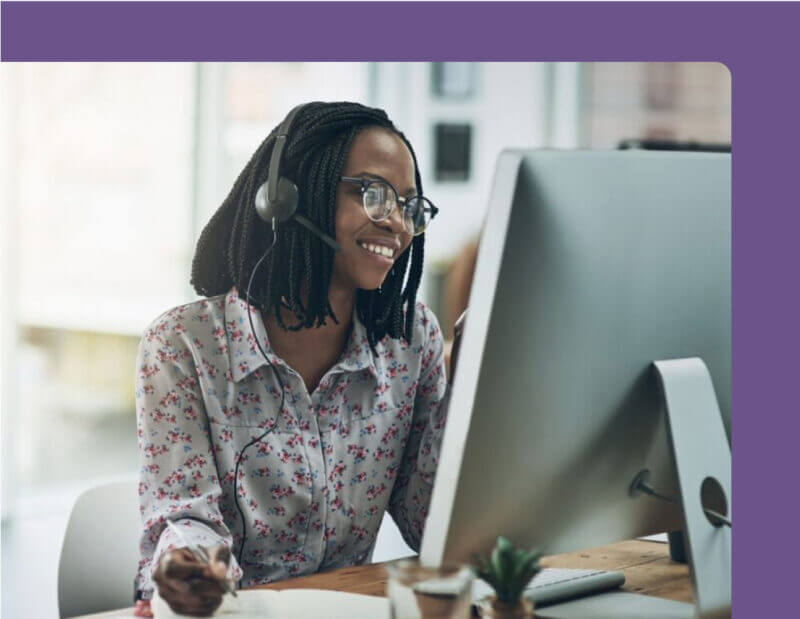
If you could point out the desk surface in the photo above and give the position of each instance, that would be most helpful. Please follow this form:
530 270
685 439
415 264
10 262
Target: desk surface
647 567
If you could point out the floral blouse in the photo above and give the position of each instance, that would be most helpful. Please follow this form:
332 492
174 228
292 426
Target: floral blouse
313 490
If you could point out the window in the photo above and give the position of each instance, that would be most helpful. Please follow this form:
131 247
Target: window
102 199
659 100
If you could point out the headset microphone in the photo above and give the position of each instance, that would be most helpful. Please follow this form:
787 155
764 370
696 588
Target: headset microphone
277 199
281 213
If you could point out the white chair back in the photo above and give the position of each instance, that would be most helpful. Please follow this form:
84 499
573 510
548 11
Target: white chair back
100 553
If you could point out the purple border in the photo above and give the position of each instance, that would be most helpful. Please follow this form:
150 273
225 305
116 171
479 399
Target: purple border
336 31
752 39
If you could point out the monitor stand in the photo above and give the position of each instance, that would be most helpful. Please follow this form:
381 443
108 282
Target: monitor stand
703 466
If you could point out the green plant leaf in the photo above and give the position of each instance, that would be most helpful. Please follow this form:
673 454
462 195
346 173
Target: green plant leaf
508 557
499 571
516 577
508 570
485 572
525 569
504 545
531 564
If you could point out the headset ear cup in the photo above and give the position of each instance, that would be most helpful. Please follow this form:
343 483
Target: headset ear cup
286 204
261 203
282 208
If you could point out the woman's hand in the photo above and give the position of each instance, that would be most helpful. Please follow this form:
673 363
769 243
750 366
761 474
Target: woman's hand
458 329
189 586
142 609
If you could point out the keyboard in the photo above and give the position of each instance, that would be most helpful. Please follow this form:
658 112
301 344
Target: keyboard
553 585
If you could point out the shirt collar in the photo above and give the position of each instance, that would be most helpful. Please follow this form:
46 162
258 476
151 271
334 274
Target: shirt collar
357 354
245 358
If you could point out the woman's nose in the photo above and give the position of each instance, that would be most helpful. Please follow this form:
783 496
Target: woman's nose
394 222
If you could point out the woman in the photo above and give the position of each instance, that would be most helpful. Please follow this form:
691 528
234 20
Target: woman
275 433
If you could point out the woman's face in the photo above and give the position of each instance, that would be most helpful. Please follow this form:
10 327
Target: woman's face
375 153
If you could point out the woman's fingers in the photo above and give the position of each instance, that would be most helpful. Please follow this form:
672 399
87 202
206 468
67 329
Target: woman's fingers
191 586
206 587
193 602
195 609
142 609
172 589
220 553
194 588
181 565
220 558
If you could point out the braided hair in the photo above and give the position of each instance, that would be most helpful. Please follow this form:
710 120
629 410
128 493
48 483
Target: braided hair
236 237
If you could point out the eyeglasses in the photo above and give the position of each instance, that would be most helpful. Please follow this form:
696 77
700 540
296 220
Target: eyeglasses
380 199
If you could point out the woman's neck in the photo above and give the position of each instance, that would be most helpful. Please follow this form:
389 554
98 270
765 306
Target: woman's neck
313 351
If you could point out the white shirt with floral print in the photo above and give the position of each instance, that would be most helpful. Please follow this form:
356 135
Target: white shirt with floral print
313 490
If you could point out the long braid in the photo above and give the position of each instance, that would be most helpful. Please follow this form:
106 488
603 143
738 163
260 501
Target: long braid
414 277
417 258
293 283
313 245
328 219
397 291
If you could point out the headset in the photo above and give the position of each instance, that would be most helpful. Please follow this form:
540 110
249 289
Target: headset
276 202
278 197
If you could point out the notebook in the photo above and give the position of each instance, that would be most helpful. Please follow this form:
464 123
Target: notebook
291 604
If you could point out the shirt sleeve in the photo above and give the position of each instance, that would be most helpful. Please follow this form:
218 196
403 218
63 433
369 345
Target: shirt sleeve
411 495
178 475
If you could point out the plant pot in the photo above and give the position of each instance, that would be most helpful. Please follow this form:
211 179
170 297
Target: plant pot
495 609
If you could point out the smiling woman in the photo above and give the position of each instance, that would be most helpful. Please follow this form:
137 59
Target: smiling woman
306 395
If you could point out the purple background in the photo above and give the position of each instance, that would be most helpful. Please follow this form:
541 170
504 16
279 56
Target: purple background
754 40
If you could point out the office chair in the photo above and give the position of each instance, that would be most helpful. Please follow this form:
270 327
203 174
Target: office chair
100 552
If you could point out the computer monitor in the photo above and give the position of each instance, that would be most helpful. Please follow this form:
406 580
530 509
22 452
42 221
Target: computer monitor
591 266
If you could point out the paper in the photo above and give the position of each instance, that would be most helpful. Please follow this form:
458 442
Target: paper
291 604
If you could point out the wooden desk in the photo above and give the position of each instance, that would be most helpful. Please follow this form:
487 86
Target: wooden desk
647 567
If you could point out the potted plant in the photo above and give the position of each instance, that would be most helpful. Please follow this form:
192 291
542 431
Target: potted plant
508 571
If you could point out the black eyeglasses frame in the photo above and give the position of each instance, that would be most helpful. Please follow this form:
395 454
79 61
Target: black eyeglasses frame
400 201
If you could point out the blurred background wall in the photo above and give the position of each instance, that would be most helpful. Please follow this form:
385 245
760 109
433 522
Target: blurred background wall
110 171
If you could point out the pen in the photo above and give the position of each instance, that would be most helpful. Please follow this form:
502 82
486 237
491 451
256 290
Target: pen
200 554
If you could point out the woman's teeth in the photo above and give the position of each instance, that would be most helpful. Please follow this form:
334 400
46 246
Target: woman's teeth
386 252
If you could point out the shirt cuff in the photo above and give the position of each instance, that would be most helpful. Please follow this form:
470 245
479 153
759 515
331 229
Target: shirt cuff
195 533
